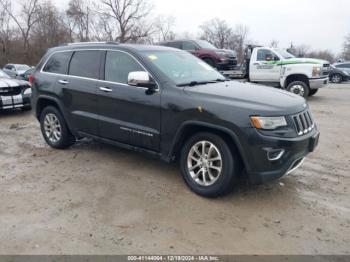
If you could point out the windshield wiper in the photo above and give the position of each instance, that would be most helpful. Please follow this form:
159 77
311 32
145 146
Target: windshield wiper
196 83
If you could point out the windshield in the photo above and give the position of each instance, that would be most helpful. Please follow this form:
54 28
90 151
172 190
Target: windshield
4 75
284 53
183 68
205 44
22 67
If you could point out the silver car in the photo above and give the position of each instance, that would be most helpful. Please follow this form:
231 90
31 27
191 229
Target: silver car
15 70
344 66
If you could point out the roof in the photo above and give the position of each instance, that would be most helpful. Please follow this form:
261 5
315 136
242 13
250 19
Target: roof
111 45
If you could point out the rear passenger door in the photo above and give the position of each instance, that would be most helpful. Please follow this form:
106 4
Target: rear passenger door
128 114
78 90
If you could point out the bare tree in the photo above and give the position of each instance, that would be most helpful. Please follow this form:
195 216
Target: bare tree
299 50
49 31
274 43
127 16
24 20
5 31
164 28
346 48
79 13
217 32
241 34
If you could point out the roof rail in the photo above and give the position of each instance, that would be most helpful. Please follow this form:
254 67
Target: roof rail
89 43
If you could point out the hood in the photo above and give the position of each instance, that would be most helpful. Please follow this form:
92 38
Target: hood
223 52
300 61
264 100
5 82
20 72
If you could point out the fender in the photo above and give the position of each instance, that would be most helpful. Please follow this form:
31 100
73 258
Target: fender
52 99
227 131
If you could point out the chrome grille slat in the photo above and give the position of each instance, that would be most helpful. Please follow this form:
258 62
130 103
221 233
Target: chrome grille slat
303 123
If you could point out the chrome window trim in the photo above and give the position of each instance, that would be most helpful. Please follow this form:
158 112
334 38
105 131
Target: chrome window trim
94 79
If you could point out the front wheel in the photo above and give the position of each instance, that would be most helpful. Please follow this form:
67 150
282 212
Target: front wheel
208 166
336 78
299 88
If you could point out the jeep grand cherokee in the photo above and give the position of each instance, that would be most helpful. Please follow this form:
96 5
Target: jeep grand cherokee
168 103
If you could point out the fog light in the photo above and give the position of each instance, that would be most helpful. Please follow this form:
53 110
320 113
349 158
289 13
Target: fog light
274 154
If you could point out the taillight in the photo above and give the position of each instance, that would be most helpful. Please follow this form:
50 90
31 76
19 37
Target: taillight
31 79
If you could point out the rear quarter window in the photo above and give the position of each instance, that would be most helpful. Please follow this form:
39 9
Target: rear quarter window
85 64
58 63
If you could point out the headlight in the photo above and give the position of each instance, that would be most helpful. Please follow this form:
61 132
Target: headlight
270 123
316 71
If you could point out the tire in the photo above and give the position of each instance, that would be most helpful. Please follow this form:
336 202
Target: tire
313 91
299 88
336 78
209 61
224 181
54 129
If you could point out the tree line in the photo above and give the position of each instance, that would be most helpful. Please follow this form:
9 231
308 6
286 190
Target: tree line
30 28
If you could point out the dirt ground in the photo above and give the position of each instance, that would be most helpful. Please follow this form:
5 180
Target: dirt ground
98 199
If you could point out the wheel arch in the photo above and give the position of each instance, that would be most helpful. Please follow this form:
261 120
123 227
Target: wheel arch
190 128
44 101
296 77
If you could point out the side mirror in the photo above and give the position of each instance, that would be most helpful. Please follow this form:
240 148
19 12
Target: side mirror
275 58
141 79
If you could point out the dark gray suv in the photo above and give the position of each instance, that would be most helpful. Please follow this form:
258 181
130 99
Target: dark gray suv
168 103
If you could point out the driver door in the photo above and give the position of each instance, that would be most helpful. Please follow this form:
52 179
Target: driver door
127 114
265 67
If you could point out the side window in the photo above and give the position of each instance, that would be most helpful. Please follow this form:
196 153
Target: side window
174 44
9 67
58 63
346 65
85 64
188 46
263 53
119 65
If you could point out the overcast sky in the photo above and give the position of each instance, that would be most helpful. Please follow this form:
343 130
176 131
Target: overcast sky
321 24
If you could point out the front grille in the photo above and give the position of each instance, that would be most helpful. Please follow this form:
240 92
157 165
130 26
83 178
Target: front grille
303 123
10 91
325 69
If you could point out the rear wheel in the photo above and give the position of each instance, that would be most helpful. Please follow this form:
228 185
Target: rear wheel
208 166
299 88
54 129
336 78
313 91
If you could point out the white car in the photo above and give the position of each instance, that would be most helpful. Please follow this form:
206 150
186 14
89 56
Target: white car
15 70
14 93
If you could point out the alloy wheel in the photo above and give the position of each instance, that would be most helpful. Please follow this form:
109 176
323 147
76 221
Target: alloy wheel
204 163
52 128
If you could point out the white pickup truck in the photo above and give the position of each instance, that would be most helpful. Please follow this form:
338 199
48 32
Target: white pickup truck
278 68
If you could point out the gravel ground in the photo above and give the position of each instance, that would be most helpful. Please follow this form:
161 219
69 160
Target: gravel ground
98 199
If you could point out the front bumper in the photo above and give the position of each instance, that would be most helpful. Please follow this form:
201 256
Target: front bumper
16 101
258 166
318 83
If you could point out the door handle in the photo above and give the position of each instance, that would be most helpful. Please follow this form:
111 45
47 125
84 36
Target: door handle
105 89
63 82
